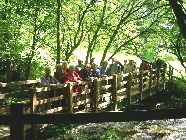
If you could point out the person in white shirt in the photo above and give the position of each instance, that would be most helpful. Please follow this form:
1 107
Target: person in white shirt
47 79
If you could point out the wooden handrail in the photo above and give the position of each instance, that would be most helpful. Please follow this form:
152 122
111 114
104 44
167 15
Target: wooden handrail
153 79
96 89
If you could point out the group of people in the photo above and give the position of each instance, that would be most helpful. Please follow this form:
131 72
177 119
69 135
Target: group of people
65 73
85 72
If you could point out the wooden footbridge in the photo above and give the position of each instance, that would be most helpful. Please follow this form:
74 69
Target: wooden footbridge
99 100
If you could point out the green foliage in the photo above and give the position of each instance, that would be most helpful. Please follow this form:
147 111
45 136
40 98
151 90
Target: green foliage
59 131
179 86
37 70
28 34
148 55
10 100
21 90
168 57
111 134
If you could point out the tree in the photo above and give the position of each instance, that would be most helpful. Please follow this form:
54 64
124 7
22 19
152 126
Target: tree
137 18
27 25
178 9
36 33
179 44
58 20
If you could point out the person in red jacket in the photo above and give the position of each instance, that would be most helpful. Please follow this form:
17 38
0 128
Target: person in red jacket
144 66
73 76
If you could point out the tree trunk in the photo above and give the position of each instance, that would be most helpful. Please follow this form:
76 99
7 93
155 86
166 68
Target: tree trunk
58 31
34 41
180 16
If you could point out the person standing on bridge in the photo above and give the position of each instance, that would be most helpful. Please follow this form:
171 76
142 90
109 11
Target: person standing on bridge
95 72
47 79
144 66
85 73
104 68
61 72
79 66
115 68
131 67
72 75
125 66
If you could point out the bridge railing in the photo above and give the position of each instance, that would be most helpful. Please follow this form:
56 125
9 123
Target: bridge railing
106 93
101 94
93 96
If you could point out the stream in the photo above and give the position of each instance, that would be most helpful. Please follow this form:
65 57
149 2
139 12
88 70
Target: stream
167 129
148 130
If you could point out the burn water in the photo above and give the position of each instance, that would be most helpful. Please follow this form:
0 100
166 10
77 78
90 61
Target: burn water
167 129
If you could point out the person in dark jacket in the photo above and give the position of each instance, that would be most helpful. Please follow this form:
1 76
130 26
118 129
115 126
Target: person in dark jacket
104 69
85 73
95 72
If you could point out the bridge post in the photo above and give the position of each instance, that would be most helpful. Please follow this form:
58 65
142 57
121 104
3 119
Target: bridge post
163 76
169 73
33 110
114 94
17 129
95 95
170 78
157 79
172 71
129 84
33 100
141 85
150 82
69 97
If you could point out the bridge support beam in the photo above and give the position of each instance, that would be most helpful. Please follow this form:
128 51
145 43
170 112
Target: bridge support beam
17 129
